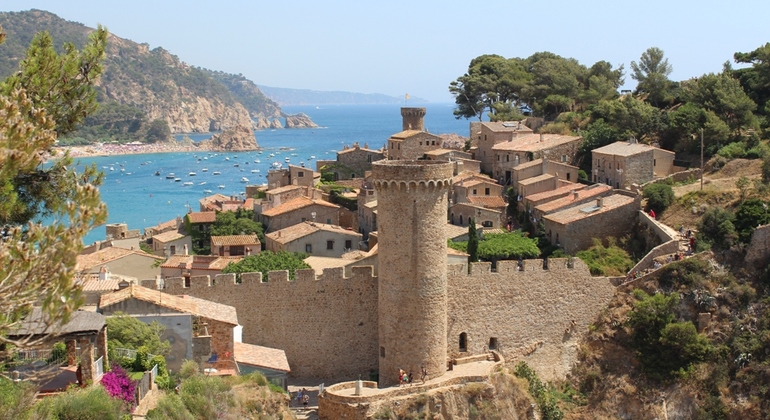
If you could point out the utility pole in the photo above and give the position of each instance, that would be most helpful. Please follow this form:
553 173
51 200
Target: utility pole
701 159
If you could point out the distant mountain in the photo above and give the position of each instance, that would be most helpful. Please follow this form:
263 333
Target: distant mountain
286 96
140 86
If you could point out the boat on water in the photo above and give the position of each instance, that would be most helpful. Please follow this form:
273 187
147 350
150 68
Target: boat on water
157 173
188 184
276 165
227 158
254 171
112 168
177 179
205 170
257 161
311 157
244 179
192 174
202 183
217 173
170 175
221 187
207 191
287 159
235 165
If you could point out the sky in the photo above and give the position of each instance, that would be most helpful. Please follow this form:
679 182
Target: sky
419 47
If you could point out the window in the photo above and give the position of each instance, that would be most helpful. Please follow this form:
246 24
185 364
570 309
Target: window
485 137
563 158
349 244
610 165
487 223
461 220
568 174
474 191
328 221
399 146
309 248
173 249
486 191
300 174
654 161
382 351
420 143
304 219
187 281
329 244
200 228
463 342
498 158
493 343
368 158
507 158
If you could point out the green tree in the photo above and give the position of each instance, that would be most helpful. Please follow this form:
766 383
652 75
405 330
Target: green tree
267 261
756 79
158 131
47 97
659 196
128 332
750 214
716 227
724 96
766 169
629 116
503 246
492 83
610 260
239 222
473 241
652 73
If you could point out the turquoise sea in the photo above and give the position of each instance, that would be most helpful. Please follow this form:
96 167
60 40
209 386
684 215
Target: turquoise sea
136 196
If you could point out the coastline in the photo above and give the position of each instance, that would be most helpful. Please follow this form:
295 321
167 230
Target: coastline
93 150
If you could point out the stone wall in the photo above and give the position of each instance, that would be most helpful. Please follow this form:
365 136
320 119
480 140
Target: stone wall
535 315
327 326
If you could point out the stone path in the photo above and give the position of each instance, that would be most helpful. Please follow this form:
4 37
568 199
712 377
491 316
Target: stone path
302 413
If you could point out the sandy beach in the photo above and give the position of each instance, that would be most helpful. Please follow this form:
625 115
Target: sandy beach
99 149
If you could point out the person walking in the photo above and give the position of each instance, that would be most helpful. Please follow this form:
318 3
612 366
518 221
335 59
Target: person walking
423 373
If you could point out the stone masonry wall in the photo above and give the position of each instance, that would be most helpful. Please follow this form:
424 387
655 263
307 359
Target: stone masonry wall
759 248
327 326
529 312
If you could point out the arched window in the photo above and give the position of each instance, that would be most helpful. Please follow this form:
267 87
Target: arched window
486 223
493 343
461 220
463 342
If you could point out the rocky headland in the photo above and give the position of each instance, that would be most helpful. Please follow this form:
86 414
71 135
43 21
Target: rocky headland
238 139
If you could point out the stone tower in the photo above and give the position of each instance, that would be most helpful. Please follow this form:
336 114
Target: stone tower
412 119
412 303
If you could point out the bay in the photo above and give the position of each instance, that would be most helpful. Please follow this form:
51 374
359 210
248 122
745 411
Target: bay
136 196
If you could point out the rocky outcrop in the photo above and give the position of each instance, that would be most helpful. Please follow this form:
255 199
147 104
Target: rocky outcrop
299 121
236 139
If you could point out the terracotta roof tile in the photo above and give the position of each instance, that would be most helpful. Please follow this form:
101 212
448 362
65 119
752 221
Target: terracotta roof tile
576 213
505 126
88 261
593 191
558 192
186 304
259 356
624 148
202 217
234 240
536 179
301 230
532 142
285 188
405 134
296 204
490 202
169 236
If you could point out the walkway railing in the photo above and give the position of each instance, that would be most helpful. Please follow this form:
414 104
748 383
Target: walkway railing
98 368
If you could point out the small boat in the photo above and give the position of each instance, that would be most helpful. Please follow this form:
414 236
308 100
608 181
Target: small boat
227 158
235 165
244 179
177 179
170 175
254 171
257 161
205 158
192 174
207 191
217 173
205 170
202 183
112 168
221 187
287 159
312 157
188 183
157 173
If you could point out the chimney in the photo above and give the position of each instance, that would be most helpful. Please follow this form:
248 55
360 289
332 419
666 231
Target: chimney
575 195
599 202
104 273
165 252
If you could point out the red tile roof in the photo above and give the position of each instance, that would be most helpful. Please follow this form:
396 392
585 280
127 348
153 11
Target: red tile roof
296 204
202 217
565 189
490 202
234 240
566 201
533 143
186 304
259 356
579 212
88 261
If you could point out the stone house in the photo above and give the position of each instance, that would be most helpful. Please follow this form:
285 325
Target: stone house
294 175
120 236
469 188
235 245
489 134
198 224
269 361
195 265
120 261
173 224
171 243
190 322
549 204
219 202
526 148
622 164
573 229
537 167
297 211
460 213
352 162
317 239
276 197
413 142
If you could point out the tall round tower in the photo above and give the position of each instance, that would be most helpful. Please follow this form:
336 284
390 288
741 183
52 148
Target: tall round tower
412 277
413 119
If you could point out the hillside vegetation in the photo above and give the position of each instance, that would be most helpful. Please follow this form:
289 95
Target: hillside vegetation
146 94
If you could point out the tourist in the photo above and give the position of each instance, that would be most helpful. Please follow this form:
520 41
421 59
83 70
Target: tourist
401 374
410 377
652 213
305 400
423 373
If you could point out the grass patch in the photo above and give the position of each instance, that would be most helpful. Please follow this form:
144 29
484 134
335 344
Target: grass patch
610 260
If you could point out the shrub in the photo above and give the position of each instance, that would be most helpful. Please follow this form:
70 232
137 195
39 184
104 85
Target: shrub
92 403
170 406
547 404
659 197
606 261
189 368
16 399
716 227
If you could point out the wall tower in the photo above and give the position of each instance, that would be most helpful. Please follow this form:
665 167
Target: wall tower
412 296
413 119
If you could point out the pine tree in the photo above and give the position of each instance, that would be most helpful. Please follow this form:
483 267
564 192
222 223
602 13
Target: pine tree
473 241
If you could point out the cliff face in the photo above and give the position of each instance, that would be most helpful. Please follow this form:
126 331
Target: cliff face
299 121
164 87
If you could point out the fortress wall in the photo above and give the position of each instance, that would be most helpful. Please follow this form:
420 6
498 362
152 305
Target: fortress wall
327 326
529 312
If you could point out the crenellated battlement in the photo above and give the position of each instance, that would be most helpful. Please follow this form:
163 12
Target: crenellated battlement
412 185
177 285
527 267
